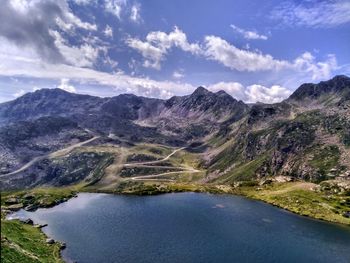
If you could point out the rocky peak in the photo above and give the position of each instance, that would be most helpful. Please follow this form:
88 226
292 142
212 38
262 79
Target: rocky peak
337 85
200 91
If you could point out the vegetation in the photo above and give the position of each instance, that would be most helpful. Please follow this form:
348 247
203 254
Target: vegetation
325 159
24 243
21 242
302 198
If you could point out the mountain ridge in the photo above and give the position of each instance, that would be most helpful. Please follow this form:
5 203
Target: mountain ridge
305 136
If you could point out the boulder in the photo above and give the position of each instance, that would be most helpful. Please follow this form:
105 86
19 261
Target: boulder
15 207
346 214
50 241
30 207
40 225
28 196
12 200
267 181
28 221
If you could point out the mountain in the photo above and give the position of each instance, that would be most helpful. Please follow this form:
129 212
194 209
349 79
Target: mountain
306 136
339 86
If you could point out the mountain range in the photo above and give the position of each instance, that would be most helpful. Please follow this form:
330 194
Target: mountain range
305 137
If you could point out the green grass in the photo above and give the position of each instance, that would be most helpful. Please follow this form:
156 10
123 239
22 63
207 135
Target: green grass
22 242
325 159
244 172
25 243
301 200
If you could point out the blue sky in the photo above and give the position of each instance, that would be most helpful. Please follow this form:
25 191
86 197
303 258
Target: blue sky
254 50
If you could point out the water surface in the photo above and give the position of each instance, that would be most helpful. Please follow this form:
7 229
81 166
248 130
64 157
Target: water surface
188 227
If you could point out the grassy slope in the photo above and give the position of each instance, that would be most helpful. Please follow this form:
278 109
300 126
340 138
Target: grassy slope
300 198
22 242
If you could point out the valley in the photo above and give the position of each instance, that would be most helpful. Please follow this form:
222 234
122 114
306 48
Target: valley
293 154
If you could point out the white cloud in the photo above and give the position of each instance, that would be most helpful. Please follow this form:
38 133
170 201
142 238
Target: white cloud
259 93
158 44
153 55
69 22
135 13
234 58
84 2
82 56
235 89
108 31
318 70
19 93
248 34
313 13
178 75
65 86
230 56
115 7
252 93
26 63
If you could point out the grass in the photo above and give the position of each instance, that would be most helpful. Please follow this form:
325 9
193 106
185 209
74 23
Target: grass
25 243
326 158
297 197
244 172
40 197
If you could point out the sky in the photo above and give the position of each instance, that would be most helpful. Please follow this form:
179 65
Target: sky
257 51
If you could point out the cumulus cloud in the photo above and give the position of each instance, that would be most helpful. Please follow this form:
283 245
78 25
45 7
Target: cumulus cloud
252 93
19 93
313 13
23 62
81 56
108 32
178 75
248 34
318 70
84 2
230 56
64 85
158 44
234 58
259 93
115 7
135 13
28 23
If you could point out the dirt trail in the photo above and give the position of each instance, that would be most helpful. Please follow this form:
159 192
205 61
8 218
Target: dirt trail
157 161
111 178
148 177
58 153
299 185
154 176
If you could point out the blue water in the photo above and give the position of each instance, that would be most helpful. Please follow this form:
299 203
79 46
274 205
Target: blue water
188 227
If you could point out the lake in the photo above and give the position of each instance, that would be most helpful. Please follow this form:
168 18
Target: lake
188 227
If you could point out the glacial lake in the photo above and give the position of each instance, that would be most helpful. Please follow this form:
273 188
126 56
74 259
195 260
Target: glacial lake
188 227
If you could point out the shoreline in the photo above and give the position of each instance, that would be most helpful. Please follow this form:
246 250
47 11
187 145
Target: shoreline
195 188
245 192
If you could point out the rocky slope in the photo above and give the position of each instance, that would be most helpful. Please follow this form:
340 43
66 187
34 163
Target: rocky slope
306 136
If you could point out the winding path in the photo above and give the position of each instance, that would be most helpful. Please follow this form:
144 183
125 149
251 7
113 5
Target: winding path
58 153
157 161
154 176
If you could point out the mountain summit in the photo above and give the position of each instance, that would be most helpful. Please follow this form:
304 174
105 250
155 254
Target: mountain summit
339 85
